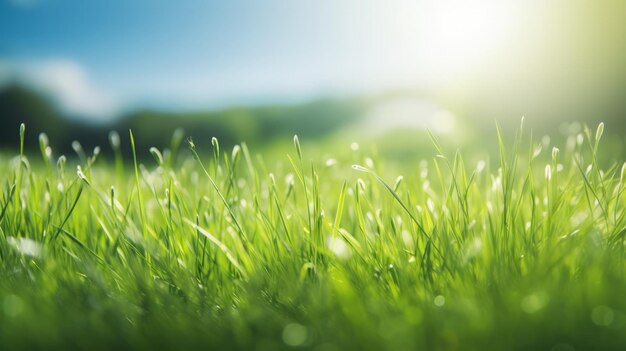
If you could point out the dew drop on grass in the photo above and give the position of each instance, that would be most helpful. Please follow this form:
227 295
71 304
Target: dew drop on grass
480 166
23 197
602 316
548 172
555 153
407 238
80 174
474 248
399 220
181 263
496 183
472 224
339 247
241 183
534 302
272 179
445 210
25 246
289 179
295 334
360 168
361 183
431 205
12 305
537 151
439 300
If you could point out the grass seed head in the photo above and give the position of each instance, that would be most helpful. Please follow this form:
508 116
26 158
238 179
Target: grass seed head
296 143
599 131
158 157
114 140
548 172
360 168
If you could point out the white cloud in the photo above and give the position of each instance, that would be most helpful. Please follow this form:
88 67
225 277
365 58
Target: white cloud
24 4
66 83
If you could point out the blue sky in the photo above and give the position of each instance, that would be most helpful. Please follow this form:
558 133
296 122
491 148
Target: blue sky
102 57
194 51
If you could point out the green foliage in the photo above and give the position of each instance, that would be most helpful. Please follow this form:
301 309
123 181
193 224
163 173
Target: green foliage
237 251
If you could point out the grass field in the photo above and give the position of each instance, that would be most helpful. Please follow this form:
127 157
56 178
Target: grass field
226 249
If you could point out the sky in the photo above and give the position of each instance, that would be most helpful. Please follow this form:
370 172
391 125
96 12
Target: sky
99 57
173 53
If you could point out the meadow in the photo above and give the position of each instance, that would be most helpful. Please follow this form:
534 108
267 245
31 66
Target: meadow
308 250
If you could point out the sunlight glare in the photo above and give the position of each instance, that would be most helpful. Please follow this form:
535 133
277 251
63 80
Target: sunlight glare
436 41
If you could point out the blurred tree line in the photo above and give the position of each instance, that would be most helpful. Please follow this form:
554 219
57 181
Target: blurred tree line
337 119
255 125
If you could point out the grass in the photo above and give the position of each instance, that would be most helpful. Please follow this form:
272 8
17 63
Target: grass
227 250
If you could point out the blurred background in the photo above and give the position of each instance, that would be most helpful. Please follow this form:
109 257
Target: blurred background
351 70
